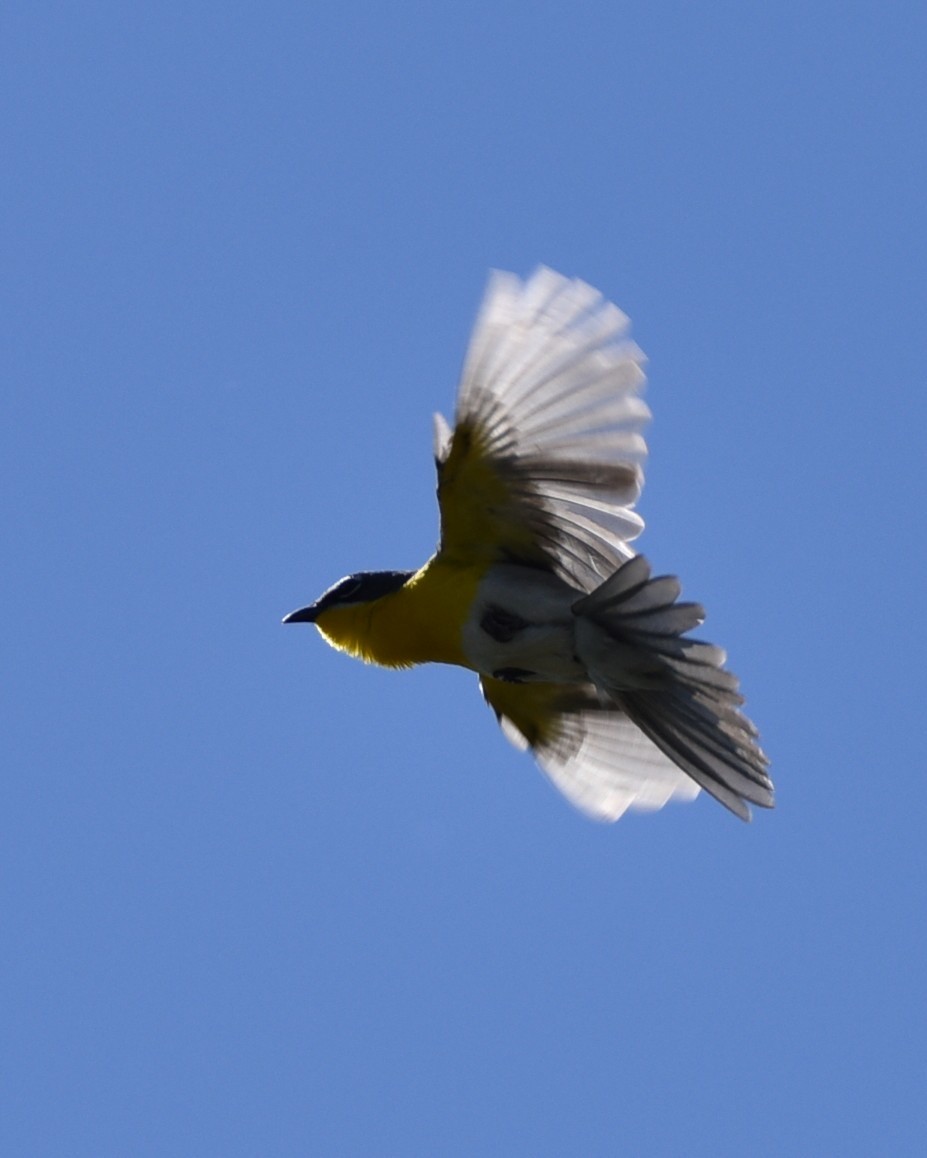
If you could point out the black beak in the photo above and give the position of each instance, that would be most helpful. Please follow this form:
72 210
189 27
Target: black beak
304 615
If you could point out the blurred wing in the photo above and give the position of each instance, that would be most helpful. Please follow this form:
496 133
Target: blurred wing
601 761
544 464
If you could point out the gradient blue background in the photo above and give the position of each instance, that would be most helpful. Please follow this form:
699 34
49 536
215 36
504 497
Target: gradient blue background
260 900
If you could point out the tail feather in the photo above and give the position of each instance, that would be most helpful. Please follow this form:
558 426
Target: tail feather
670 621
736 749
703 674
675 689
722 713
689 763
627 580
719 770
646 595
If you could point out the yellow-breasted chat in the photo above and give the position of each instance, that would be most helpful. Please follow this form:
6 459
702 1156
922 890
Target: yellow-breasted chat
583 655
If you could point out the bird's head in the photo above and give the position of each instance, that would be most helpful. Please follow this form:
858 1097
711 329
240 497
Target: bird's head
342 612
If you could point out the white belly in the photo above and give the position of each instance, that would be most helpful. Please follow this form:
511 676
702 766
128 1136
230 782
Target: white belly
521 627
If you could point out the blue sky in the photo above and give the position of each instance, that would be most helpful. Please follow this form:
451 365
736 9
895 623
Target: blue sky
259 899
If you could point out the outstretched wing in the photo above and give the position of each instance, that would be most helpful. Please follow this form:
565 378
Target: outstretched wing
544 464
591 751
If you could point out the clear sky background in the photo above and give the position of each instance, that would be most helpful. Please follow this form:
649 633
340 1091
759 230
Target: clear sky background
261 900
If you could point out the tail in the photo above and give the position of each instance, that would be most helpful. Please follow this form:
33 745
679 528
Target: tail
676 690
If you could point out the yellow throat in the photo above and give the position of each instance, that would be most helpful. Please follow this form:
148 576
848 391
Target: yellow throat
420 623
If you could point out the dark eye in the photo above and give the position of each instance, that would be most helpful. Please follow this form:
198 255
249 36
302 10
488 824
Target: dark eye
348 587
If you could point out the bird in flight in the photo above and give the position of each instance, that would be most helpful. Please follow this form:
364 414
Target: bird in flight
584 657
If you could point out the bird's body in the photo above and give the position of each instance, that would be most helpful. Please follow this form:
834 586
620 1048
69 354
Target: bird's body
582 655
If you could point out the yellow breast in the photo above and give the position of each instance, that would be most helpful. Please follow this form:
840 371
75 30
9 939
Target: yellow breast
419 623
